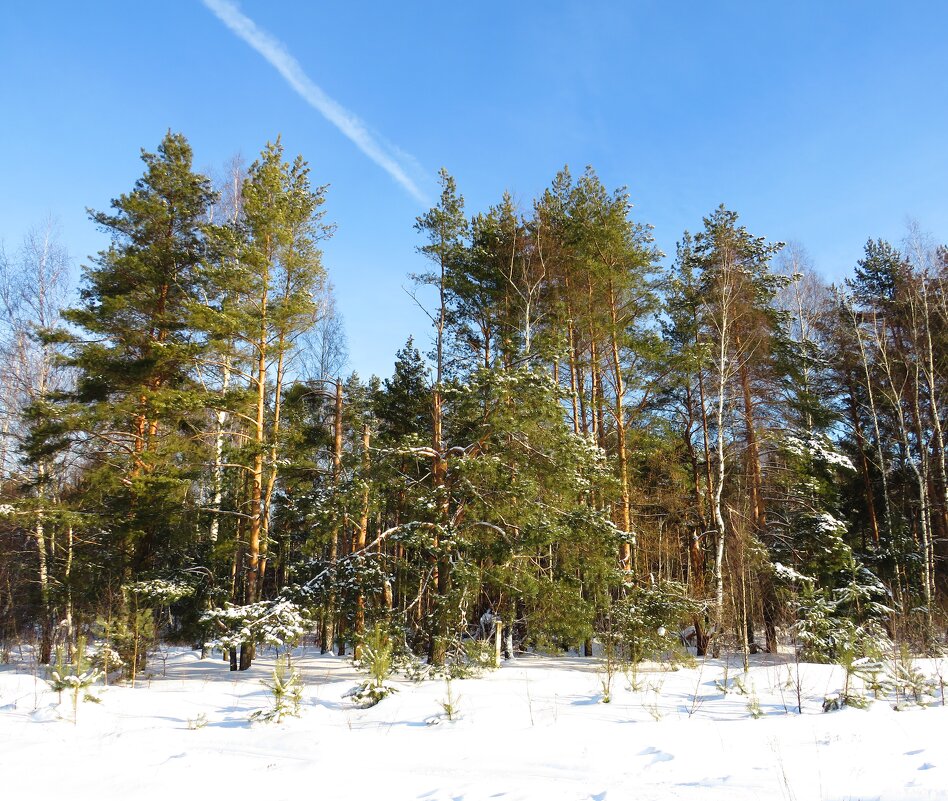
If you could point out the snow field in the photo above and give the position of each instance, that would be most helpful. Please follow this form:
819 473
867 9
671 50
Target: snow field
534 729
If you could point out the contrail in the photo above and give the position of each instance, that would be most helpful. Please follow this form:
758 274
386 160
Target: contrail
284 63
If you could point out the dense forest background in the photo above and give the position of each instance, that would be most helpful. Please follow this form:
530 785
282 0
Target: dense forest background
597 448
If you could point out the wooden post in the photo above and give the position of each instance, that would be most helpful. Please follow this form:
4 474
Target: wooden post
498 640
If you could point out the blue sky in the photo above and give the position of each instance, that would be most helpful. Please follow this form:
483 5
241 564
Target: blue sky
821 122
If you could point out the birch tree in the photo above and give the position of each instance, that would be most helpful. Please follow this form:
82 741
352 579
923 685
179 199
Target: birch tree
33 285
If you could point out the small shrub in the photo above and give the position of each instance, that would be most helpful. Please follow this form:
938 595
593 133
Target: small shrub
286 687
377 651
652 706
873 675
479 655
197 723
644 622
753 703
836 701
910 683
107 660
611 665
126 641
377 659
74 677
450 702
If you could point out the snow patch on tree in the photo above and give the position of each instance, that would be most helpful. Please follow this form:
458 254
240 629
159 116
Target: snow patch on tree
277 623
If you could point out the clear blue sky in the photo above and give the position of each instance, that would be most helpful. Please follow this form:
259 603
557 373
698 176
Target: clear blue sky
824 122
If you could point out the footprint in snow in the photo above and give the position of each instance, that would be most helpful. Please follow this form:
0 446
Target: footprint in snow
658 756
926 766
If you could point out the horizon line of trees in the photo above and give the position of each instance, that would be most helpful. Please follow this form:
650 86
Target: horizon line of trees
597 447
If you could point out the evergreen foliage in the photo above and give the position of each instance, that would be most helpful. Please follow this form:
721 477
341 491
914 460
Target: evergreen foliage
597 447
286 689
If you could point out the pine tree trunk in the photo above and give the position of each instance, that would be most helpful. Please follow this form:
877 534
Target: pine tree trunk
770 605
625 512
256 486
46 636
273 461
259 441
247 653
361 537
438 642
868 493
329 615
572 358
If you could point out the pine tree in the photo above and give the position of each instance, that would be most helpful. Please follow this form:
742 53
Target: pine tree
619 260
742 327
445 228
266 297
402 403
135 395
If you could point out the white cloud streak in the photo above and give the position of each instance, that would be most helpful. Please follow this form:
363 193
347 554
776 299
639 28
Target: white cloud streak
348 123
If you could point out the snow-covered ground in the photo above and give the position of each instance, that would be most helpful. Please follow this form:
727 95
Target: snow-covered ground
534 729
